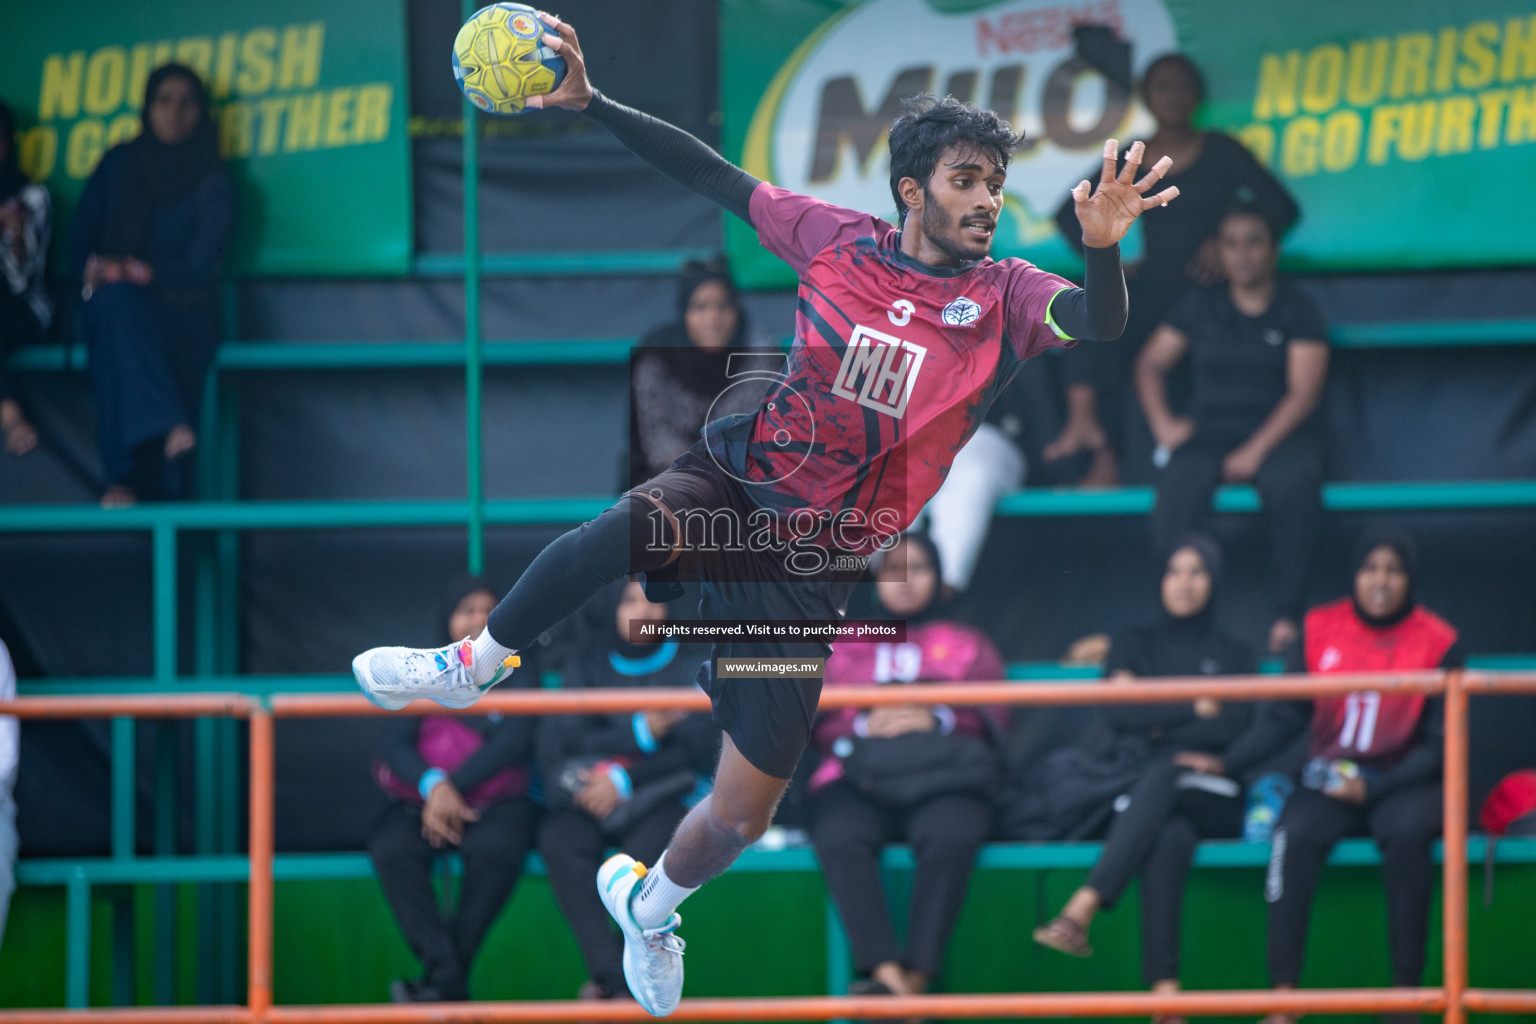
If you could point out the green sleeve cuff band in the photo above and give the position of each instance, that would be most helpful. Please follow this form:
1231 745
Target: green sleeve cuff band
1050 320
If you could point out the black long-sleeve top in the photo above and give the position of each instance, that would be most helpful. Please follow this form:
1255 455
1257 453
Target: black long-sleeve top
508 743
187 237
688 746
1169 648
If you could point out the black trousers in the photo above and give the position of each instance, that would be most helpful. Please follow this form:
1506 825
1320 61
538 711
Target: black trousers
1154 835
493 851
848 830
151 349
573 847
1289 483
1404 825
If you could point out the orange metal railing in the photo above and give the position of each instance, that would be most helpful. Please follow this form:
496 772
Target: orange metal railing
1453 999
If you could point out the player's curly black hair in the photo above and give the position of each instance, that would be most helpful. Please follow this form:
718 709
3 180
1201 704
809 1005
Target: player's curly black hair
929 125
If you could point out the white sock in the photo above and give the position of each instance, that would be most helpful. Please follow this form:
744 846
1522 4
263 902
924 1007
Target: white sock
657 897
486 657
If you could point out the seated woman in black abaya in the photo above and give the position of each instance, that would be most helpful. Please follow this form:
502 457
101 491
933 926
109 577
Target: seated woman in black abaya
1158 820
148 242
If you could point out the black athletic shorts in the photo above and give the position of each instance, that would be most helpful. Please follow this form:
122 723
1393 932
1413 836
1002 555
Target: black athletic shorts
769 720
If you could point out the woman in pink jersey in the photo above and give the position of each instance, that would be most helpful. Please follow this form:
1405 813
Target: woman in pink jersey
1373 760
904 772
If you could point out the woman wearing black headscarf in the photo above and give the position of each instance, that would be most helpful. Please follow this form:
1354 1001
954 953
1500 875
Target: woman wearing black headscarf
1212 171
148 242
25 310
1374 759
1158 821
458 782
679 369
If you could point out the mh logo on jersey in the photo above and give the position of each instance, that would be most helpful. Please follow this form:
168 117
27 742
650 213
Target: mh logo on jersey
879 371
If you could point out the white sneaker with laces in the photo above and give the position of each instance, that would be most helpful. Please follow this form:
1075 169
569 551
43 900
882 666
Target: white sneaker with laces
392 677
653 957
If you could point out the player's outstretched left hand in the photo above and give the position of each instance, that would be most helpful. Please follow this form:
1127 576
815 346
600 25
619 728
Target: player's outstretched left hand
575 92
1108 213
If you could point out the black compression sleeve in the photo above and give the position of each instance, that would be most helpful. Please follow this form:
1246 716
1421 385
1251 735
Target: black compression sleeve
1096 311
678 155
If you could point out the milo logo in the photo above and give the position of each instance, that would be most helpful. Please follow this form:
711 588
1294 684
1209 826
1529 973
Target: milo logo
821 126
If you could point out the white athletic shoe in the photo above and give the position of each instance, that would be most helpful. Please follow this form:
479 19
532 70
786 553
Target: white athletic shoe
653 957
392 677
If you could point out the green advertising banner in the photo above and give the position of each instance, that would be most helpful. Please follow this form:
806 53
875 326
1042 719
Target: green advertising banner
1405 128
310 96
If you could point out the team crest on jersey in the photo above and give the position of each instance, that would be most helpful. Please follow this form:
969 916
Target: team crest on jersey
1274 336
1330 660
961 312
879 371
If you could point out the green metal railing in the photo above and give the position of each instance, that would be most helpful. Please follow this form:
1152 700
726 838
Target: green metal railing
225 518
473 342
574 351
555 263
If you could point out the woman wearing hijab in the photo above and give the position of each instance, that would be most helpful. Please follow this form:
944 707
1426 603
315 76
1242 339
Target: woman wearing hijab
1213 171
25 310
620 780
1258 351
679 370
1158 822
919 773
1374 760
461 783
148 242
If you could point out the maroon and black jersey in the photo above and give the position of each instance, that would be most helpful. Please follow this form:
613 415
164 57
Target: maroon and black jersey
893 367
1369 725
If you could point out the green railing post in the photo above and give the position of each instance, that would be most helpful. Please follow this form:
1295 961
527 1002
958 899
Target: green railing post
165 846
124 820
123 809
229 971
231 962
204 654
165 601
472 339
77 941
205 779
164 570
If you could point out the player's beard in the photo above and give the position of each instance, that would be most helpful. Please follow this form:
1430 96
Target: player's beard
945 236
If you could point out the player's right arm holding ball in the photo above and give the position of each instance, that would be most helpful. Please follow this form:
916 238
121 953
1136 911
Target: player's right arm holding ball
674 152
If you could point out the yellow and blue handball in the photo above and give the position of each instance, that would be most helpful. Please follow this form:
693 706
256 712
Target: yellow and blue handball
500 58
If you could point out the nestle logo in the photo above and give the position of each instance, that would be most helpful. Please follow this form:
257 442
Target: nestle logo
1049 28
